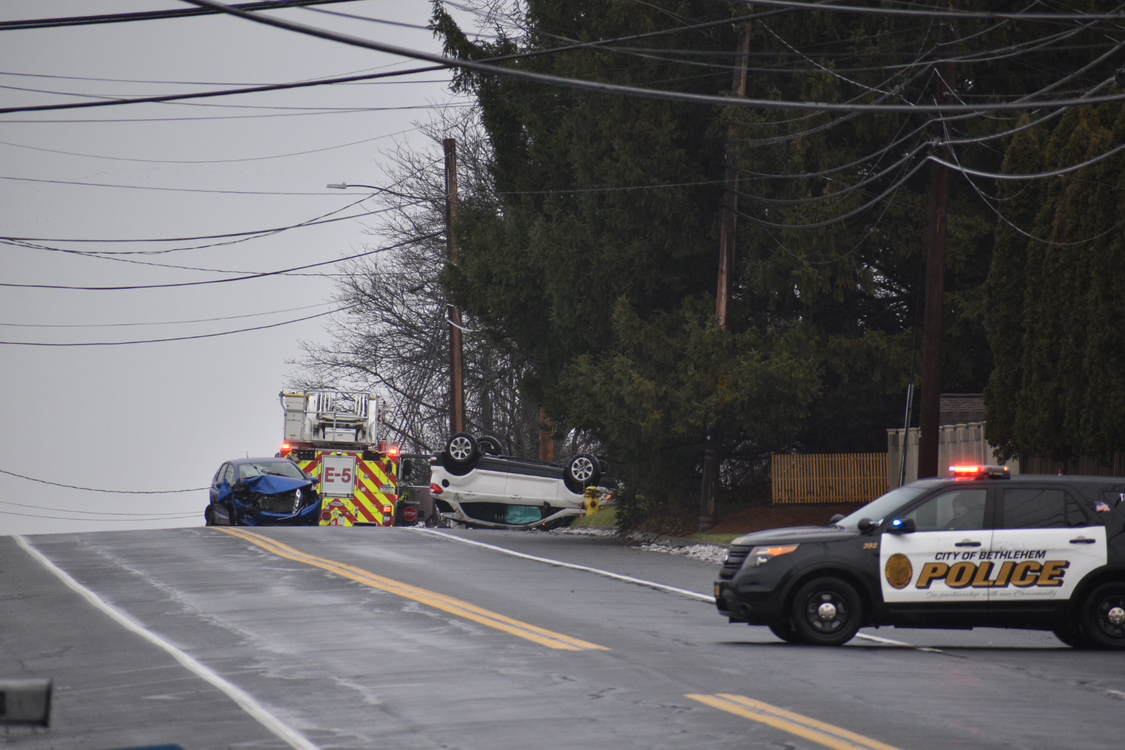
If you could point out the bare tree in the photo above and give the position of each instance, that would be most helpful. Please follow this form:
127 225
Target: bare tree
393 337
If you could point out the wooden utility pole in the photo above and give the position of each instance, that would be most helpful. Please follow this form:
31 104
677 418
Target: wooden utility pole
712 449
456 361
546 437
930 408
729 226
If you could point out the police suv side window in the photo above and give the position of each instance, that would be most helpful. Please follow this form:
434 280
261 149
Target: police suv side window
1040 508
960 509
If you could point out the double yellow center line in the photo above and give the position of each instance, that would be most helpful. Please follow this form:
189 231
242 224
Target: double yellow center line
820 732
433 599
802 726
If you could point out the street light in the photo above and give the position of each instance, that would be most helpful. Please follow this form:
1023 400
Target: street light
345 186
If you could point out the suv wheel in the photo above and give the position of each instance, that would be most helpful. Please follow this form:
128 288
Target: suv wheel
826 612
1103 616
462 449
1071 634
583 471
785 631
491 445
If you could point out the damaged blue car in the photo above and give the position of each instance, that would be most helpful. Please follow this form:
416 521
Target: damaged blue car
262 492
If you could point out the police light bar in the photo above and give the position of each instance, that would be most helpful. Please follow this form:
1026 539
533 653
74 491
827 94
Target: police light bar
973 471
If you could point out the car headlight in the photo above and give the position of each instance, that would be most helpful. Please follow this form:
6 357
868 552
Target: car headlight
762 555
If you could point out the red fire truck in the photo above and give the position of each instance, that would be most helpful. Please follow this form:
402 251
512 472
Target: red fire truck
336 437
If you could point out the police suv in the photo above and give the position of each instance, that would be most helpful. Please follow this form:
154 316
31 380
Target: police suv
980 549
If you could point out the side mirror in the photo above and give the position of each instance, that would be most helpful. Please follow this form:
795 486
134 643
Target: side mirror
866 525
406 467
902 526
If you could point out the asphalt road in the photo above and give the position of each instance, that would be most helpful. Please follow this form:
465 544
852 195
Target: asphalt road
407 638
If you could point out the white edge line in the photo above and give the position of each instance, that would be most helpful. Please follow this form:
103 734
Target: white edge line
607 574
572 566
239 696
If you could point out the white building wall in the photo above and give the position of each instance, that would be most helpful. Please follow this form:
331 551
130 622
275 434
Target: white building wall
957 444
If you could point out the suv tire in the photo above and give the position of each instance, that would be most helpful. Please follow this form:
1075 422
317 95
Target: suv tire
491 445
582 471
826 612
1103 616
461 453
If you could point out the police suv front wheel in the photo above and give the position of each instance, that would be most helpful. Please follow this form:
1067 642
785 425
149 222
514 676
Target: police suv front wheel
826 612
785 631
1103 616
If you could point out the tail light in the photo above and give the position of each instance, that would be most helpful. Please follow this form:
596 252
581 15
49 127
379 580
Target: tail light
435 490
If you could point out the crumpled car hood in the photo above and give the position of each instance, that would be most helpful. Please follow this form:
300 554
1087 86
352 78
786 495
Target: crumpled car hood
270 484
271 499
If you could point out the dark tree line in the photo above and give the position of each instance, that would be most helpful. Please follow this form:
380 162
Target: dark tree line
589 250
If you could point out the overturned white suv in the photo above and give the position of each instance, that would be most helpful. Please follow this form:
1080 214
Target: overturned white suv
474 484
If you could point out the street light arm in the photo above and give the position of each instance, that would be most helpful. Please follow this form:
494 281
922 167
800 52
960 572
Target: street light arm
345 186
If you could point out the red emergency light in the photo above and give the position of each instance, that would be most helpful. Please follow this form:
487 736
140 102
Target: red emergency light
975 471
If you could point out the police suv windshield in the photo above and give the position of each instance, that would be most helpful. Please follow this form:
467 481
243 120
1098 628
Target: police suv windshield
880 507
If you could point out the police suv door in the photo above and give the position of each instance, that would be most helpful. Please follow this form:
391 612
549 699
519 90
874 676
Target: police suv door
933 570
1046 540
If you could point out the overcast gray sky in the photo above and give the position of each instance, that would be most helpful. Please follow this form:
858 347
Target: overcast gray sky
113 421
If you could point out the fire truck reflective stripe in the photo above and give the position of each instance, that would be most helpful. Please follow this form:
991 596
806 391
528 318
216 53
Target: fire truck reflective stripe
811 729
433 599
370 504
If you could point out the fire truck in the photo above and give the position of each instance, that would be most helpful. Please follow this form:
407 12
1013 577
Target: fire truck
336 437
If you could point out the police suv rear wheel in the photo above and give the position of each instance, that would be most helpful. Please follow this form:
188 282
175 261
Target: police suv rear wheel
1071 634
826 612
1103 616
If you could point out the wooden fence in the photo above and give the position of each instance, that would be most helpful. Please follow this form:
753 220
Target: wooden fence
829 478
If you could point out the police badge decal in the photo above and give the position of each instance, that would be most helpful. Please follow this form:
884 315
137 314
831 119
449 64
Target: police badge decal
899 571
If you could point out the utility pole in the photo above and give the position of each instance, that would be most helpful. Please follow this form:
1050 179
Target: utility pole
713 445
456 361
546 437
930 411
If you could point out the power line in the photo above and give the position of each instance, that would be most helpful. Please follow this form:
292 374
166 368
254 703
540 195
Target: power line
163 517
212 118
591 86
928 13
212 161
161 323
136 516
172 338
247 277
252 234
95 489
112 102
44 23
